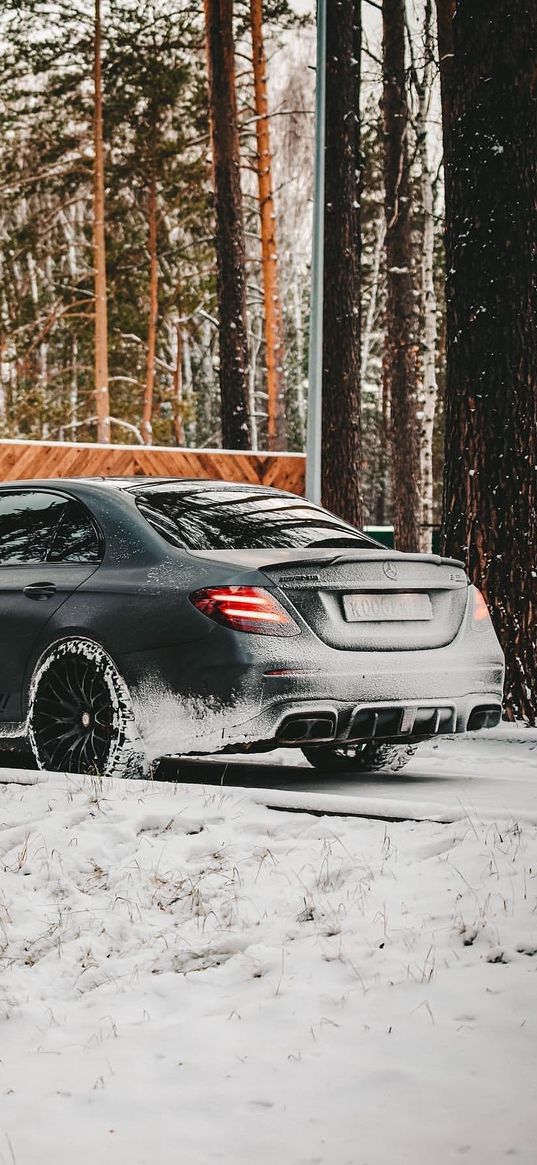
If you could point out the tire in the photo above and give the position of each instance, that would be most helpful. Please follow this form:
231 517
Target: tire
365 756
80 714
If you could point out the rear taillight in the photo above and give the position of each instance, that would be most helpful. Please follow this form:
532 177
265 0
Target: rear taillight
480 612
250 609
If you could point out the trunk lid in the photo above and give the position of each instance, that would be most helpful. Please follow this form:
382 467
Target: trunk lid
357 599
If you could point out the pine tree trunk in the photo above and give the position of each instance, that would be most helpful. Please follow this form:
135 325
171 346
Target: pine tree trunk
299 361
255 347
490 502
230 250
383 474
400 356
378 500
73 394
273 323
429 389
178 423
102 399
152 216
445 11
4 371
369 326
342 435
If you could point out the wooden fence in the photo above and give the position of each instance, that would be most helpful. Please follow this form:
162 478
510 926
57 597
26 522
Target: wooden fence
23 460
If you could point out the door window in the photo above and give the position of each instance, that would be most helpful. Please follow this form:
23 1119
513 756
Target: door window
40 526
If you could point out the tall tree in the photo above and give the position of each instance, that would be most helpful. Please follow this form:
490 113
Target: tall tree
156 98
152 246
445 11
490 503
375 413
341 428
102 398
230 248
428 390
400 357
272 312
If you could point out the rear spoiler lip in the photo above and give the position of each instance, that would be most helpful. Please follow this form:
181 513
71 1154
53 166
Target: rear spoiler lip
396 556
307 556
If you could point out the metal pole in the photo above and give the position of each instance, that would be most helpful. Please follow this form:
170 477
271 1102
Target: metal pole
315 365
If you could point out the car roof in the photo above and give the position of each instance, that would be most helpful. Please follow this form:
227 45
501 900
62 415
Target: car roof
135 482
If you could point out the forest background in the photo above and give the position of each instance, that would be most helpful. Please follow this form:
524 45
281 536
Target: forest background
161 270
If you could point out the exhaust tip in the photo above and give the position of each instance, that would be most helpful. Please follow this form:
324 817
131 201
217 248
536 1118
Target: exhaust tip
299 729
484 716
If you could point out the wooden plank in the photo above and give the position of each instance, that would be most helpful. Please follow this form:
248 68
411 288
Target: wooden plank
20 460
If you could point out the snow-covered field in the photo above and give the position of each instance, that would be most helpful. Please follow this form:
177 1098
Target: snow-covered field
189 976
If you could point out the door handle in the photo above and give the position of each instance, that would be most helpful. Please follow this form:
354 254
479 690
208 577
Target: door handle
39 590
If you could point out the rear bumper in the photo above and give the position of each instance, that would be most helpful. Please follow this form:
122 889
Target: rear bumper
312 722
240 690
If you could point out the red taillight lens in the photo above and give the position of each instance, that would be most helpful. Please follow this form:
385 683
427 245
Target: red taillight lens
249 609
480 613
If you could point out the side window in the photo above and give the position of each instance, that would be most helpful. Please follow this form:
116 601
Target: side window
76 539
28 523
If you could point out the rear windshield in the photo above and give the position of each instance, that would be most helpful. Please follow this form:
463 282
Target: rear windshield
238 519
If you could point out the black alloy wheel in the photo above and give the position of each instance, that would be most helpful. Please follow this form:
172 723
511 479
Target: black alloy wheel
81 718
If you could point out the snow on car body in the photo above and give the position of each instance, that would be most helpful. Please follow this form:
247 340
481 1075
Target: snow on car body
173 616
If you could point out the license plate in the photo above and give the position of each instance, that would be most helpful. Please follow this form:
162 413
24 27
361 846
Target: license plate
386 608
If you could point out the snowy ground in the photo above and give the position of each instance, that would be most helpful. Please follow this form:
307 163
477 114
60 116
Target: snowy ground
491 773
189 976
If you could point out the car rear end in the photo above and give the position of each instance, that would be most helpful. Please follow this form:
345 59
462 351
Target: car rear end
334 642
405 657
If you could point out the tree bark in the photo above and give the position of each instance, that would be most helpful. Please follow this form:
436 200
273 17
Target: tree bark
370 319
429 388
152 219
400 355
230 250
341 426
445 11
178 423
490 497
102 398
273 323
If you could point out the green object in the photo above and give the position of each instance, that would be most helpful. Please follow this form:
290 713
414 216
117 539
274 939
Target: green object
384 534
